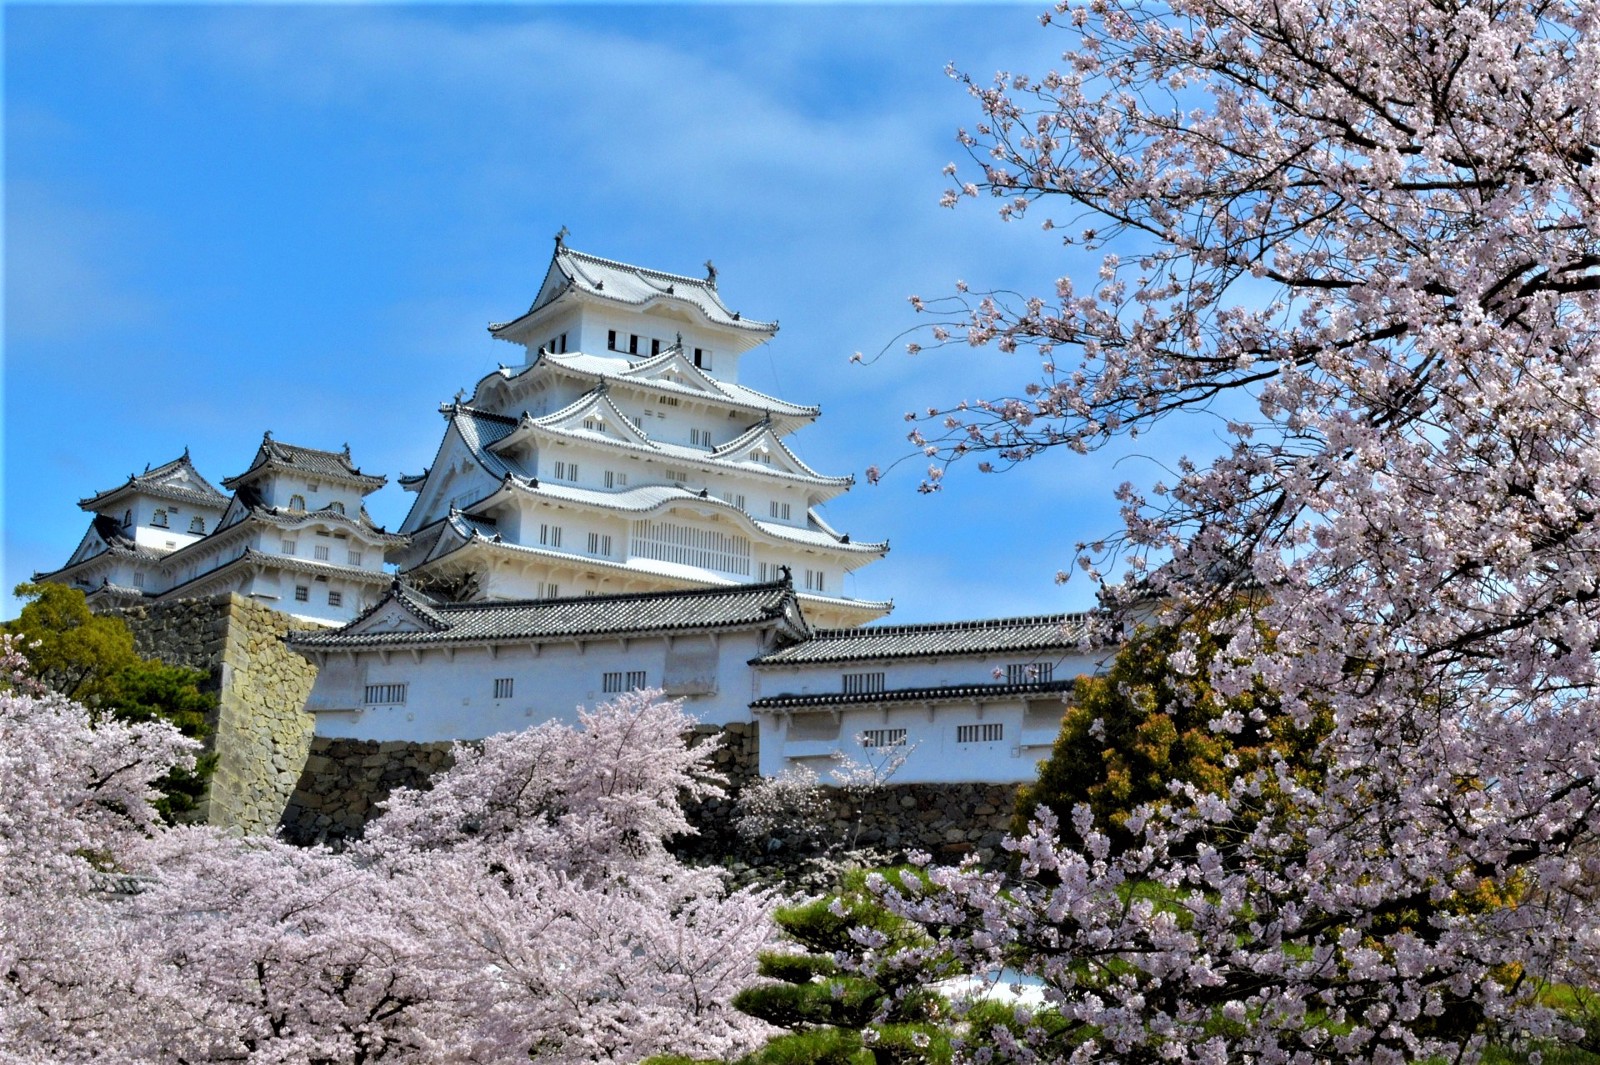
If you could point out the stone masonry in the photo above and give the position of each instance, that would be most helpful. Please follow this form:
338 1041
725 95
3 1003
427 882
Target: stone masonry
261 734
345 781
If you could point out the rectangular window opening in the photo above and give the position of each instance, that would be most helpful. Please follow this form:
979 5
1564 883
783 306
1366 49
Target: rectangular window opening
883 737
862 683
985 733
503 686
385 694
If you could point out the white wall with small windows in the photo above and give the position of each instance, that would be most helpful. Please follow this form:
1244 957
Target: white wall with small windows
919 706
1000 740
469 692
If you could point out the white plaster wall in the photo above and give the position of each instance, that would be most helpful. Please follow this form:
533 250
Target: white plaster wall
932 753
453 699
918 673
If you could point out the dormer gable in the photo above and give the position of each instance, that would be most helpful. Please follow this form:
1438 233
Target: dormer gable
673 367
400 610
594 415
761 447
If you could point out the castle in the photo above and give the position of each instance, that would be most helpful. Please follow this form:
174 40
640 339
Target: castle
615 512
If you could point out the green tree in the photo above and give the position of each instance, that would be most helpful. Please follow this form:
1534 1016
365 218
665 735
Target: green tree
1134 730
90 657
72 650
826 1009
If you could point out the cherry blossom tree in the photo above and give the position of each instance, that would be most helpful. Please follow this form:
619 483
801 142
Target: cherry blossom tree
524 908
1361 238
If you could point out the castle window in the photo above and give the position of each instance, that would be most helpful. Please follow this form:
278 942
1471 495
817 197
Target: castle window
883 737
549 536
297 502
336 506
768 571
138 579
197 524
286 546
600 544
594 424
862 683
127 518
353 557
631 681
700 437
335 598
987 733
611 340
814 580
549 590
320 552
668 401
702 358
616 480
503 686
655 347
567 471
1029 672
159 519
302 593
633 344
385 694
779 510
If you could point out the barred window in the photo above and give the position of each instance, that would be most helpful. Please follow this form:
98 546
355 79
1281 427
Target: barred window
632 680
503 687
320 551
1028 672
335 598
386 694
600 544
302 593
287 546
883 737
353 557
862 683
159 520
197 524
986 733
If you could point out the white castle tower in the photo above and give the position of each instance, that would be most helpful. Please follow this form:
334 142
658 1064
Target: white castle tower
624 456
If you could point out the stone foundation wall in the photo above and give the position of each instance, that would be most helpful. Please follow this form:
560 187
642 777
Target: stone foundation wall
260 734
343 782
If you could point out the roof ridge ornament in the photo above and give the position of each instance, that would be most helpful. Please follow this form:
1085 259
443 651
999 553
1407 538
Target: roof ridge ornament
711 273
561 236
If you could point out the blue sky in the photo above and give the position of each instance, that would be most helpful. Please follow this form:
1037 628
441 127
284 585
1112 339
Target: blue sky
221 220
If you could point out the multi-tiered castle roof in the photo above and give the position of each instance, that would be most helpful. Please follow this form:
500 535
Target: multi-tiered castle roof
623 455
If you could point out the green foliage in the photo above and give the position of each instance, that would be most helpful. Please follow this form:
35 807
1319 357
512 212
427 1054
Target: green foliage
90 658
71 649
1142 725
149 690
833 1016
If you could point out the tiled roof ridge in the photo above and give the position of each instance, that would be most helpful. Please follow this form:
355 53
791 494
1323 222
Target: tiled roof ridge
613 597
450 410
889 695
972 625
146 482
277 452
601 260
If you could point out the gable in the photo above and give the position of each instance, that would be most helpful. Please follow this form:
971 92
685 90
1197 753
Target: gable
392 615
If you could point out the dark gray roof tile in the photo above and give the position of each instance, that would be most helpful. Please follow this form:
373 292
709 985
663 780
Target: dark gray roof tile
1051 632
600 615
951 692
